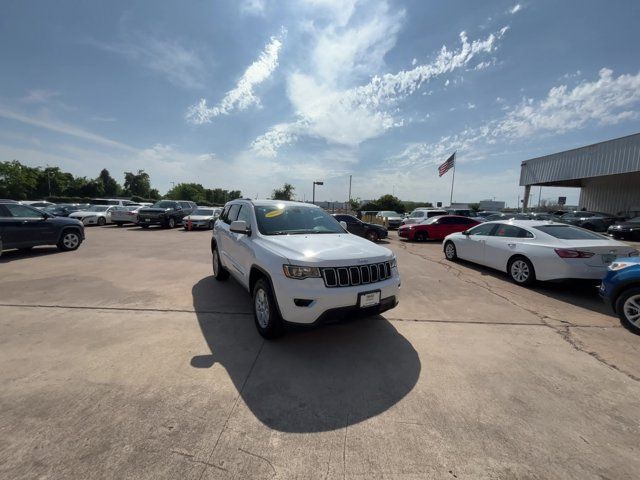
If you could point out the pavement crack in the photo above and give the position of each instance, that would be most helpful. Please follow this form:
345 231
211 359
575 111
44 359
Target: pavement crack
563 330
565 333
260 457
190 457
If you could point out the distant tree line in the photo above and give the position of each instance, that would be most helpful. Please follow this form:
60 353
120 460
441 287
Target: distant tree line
21 182
201 195
392 203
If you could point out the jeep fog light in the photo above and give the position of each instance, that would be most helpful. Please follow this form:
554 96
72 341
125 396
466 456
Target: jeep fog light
300 273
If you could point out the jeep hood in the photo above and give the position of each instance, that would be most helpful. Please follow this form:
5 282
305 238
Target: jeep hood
338 249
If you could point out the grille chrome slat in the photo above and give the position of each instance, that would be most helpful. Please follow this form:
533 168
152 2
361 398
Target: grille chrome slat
350 276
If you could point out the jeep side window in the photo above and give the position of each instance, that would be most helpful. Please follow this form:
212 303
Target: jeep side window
225 212
245 214
233 213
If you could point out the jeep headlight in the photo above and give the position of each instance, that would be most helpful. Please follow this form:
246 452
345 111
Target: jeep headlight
298 272
393 262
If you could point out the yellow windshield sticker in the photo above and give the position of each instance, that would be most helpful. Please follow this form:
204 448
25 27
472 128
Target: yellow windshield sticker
274 213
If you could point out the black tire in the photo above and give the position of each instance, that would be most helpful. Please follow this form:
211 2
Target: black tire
450 252
373 236
521 271
69 240
421 236
170 223
265 310
102 221
219 272
628 306
119 224
210 226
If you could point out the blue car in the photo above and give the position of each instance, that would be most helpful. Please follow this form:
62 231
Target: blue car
620 288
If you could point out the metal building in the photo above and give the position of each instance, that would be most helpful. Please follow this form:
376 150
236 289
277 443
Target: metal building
608 174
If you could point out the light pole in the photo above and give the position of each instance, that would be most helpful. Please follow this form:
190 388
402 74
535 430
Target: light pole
314 191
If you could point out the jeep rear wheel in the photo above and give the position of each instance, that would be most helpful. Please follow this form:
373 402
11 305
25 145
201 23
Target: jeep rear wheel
171 223
265 311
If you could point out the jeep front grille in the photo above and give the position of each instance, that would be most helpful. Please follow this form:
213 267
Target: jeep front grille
356 275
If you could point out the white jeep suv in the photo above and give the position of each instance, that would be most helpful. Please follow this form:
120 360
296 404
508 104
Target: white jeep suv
300 265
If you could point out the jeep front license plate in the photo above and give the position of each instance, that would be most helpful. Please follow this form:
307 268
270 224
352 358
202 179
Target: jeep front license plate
369 299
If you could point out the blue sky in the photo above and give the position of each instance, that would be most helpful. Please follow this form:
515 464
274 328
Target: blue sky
251 94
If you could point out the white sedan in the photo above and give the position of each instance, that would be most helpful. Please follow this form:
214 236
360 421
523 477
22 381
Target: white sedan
202 217
94 215
530 250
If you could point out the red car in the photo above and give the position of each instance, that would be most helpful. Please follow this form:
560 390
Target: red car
436 228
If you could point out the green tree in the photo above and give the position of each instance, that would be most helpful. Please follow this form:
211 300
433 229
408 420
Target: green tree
389 202
137 183
110 187
284 193
188 191
18 181
474 206
354 204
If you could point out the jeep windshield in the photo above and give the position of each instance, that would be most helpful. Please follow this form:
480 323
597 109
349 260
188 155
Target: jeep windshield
282 219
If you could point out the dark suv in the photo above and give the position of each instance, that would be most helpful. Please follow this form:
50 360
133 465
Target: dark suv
167 213
24 227
369 231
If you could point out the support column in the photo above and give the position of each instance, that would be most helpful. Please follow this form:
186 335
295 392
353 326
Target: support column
525 202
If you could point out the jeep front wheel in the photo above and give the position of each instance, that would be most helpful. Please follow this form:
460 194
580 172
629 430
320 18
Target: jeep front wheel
265 311
219 272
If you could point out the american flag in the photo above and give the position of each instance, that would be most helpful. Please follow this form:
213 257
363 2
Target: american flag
446 166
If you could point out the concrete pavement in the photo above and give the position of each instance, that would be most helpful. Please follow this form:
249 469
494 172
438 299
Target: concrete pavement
125 359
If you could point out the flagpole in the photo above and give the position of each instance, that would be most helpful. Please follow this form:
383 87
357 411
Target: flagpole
453 178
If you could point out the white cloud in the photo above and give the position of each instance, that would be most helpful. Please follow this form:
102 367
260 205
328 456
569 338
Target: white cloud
62 127
350 116
243 95
39 96
515 9
605 101
414 61
471 106
253 7
180 65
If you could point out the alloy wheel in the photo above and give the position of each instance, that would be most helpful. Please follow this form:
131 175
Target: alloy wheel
262 308
520 271
216 263
450 251
631 309
70 240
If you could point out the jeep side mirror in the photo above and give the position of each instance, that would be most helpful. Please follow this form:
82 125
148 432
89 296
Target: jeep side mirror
240 226
343 224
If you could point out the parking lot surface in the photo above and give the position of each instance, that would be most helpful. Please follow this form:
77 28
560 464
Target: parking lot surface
126 359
